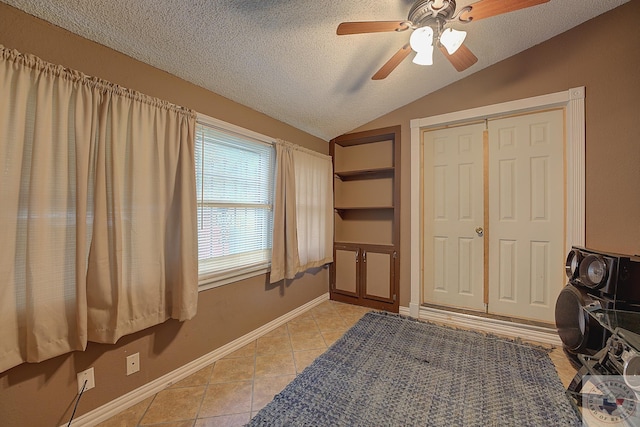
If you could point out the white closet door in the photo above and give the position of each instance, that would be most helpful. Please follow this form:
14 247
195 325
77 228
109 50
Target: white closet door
453 209
526 214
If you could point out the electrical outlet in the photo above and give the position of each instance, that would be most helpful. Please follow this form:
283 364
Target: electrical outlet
133 363
86 376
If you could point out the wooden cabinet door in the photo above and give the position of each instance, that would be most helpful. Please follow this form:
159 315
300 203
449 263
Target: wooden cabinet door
378 275
365 275
346 270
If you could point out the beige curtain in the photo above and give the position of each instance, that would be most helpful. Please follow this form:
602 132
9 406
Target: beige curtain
303 211
97 212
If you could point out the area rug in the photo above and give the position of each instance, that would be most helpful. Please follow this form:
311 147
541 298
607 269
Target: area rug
390 370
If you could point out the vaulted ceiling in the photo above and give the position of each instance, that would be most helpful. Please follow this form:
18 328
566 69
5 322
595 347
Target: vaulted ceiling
283 57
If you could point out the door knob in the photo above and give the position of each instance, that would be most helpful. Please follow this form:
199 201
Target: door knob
479 231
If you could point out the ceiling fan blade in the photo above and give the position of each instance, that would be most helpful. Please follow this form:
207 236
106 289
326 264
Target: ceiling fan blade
461 59
488 8
392 63
370 27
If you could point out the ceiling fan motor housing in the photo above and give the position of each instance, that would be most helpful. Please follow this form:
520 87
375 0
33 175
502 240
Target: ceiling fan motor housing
422 13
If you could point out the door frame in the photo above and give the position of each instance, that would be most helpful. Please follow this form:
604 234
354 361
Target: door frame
573 101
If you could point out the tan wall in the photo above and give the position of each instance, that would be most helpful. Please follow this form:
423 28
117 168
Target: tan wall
43 394
604 56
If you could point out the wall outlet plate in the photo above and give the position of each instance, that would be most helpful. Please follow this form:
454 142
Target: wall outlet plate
133 363
83 376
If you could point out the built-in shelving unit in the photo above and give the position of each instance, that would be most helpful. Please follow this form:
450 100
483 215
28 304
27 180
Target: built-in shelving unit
367 218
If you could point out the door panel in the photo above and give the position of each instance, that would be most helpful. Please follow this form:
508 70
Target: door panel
526 214
454 208
346 270
378 273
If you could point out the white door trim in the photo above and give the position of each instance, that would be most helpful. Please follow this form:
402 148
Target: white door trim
573 101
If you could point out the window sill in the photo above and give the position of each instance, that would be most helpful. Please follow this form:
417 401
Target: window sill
209 282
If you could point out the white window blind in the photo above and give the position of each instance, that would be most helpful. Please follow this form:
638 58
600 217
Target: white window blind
234 177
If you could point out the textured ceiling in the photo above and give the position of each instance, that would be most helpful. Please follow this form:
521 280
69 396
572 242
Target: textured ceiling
283 57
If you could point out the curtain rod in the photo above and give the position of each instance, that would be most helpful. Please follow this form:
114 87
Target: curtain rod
303 149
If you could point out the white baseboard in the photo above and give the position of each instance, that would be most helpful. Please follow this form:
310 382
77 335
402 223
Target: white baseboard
494 326
116 406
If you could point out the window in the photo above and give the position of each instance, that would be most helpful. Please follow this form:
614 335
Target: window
234 178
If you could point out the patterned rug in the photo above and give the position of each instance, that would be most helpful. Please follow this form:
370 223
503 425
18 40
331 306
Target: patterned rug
390 370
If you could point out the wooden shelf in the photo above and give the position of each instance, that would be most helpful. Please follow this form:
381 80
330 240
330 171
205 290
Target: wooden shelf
366 137
364 244
361 208
366 174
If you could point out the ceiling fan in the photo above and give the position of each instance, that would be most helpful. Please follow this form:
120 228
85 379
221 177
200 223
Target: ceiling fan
428 19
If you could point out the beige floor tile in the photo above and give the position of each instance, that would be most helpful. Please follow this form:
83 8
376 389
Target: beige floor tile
185 423
306 316
350 309
234 420
307 341
130 416
176 404
324 313
319 311
264 389
304 358
565 369
324 308
198 378
226 399
273 345
331 322
331 336
274 365
351 319
306 326
279 331
246 351
230 370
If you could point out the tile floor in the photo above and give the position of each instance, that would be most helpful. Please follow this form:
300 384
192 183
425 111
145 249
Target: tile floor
231 390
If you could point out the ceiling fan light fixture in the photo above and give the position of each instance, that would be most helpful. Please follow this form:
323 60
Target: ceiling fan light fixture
452 39
422 39
424 16
424 57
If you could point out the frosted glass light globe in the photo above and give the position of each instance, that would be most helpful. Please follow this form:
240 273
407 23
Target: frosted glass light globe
421 39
